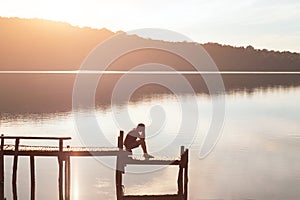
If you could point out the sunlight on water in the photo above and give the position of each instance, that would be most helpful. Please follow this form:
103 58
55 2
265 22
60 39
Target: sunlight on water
260 145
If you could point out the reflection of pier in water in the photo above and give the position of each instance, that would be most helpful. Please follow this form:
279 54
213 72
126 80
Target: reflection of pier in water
63 153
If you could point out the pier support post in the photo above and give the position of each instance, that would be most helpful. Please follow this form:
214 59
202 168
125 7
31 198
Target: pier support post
15 168
180 173
186 159
67 178
120 140
32 175
60 170
2 170
119 166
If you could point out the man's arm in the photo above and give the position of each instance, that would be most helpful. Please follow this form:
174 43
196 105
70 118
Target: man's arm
143 135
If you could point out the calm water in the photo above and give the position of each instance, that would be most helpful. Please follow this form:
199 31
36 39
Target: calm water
257 156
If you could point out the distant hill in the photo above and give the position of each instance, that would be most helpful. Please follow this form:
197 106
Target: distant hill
35 44
240 58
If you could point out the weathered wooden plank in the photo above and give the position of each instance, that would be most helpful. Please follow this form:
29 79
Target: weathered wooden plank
92 153
152 197
130 161
56 153
35 138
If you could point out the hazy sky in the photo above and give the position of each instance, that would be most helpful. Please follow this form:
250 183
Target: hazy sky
271 24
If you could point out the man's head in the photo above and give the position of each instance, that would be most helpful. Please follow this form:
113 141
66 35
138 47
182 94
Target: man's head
140 127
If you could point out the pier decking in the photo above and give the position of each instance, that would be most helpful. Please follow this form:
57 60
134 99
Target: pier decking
63 154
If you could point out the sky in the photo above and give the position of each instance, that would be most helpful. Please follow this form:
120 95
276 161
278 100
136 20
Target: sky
270 24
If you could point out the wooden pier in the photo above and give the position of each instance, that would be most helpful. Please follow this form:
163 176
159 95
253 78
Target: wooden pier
63 154
124 159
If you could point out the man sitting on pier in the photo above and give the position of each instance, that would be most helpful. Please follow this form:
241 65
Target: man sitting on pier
135 138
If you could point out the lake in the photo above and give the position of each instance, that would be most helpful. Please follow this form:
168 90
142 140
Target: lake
256 156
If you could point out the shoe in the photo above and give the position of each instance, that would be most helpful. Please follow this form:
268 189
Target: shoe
147 156
129 150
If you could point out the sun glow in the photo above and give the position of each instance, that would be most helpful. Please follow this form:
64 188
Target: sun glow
66 11
89 13
72 12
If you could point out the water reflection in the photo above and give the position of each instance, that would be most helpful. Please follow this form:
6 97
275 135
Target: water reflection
50 93
256 158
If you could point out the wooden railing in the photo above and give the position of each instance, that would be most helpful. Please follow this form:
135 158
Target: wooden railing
62 159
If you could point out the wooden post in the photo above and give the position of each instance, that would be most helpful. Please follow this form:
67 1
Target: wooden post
180 173
2 169
119 185
119 165
15 168
32 173
60 170
120 140
67 178
186 159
